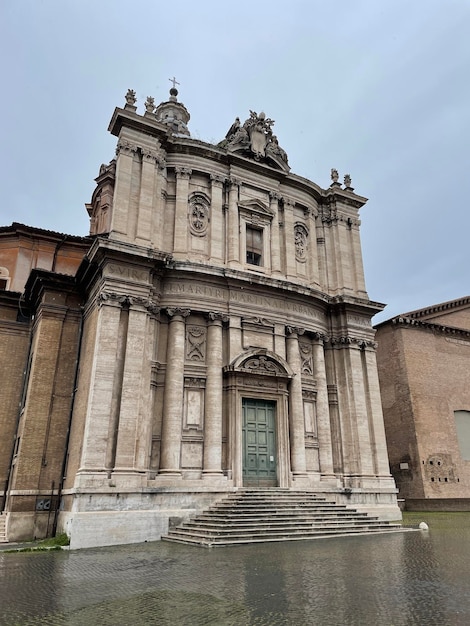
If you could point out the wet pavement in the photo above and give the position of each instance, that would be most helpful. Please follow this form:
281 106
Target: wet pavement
393 579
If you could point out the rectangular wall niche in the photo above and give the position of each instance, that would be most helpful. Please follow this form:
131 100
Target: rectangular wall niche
462 426
193 408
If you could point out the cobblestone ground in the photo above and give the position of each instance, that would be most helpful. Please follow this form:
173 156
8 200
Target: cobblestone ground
400 580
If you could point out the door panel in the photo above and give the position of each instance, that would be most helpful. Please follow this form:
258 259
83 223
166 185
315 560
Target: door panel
259 443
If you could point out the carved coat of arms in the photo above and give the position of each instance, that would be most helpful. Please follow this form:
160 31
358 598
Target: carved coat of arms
255 138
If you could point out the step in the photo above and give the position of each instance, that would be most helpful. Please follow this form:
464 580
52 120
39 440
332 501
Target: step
254 516
225 541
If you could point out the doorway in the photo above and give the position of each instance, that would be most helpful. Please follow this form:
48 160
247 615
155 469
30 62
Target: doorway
259 443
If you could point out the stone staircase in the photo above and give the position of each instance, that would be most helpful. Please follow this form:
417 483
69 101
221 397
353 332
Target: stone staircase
257 516
3 528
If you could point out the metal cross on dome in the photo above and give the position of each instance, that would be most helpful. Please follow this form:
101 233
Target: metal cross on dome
174 81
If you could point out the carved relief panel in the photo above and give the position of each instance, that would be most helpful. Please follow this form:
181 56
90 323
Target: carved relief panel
196 343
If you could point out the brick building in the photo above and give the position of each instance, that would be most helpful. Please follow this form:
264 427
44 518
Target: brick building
213 332
424 370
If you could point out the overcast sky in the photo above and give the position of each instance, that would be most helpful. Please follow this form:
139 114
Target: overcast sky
379 89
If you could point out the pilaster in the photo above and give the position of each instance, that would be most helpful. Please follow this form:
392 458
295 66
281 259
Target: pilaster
275 238
101 401
180 242
217 219
289 238
233 230
134 415
125 152
375 407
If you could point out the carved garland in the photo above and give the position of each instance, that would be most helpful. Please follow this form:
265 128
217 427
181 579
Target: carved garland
196 343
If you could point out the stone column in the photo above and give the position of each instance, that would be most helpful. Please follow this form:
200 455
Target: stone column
217 219
180 241
213 399
323 411
296 404
233 228
275 239
289 238
173 394
122 191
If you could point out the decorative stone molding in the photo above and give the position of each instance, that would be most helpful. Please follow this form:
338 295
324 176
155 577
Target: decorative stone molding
126 147
196 343
112 298
157 156
183 172
217 316
258 321
178 311
306 358
264 383
274 195
301 242
130 99
150 105
288 202
233 181
194 382
348 340
117 299
319 337
198 215
295 330
309 394
332 394
218 179
262 364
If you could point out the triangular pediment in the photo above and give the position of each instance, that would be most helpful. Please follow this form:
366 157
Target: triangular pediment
256 206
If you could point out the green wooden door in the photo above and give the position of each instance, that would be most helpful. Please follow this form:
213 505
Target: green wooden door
259 443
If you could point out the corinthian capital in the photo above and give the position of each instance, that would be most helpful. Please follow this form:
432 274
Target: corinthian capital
177 311
126 147
218 179
183 172
234 181
295 330
217 316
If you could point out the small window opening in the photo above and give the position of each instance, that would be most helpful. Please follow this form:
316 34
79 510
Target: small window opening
254 246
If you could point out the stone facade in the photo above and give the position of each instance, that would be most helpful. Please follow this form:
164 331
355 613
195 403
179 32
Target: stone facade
220 332
424 371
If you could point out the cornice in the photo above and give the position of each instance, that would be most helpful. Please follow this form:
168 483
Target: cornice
402 320
439 308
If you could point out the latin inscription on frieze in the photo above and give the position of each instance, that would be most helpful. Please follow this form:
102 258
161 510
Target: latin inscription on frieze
128 273
242 297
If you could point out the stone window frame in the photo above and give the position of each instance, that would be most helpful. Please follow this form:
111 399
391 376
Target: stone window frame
258 218
4 279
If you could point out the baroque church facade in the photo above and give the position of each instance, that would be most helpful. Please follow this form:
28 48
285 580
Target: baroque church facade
212 333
